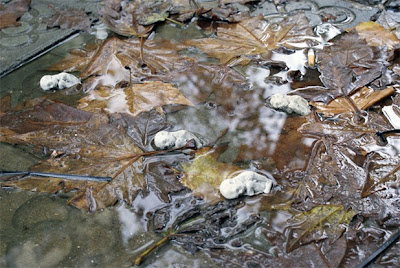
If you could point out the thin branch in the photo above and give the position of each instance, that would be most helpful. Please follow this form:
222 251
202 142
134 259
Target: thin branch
56 175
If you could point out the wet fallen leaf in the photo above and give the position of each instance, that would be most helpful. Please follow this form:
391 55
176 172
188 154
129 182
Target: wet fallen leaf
12 11
119 61
376 35
349 64
121 17
237 43
134 99
75 19
322 222
204 174
87 144
362 98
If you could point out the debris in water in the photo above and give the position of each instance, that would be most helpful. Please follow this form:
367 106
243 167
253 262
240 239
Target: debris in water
290 104
58 81
246 183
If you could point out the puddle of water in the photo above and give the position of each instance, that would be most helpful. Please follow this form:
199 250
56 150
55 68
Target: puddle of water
38 229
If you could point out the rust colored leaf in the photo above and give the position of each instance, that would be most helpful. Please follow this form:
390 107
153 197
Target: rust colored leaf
204 175
11 12
236 43
362 98
134 99
376 35
322 222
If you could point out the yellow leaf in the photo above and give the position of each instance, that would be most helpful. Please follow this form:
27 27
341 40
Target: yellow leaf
377 35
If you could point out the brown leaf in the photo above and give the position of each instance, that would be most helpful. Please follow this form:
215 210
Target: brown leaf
123 60
235 43
85 146
11 12
75 19
362 98
133 100
376 35
121 17
349 64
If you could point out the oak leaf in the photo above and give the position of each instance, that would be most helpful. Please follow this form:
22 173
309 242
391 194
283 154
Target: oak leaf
76 19
134 99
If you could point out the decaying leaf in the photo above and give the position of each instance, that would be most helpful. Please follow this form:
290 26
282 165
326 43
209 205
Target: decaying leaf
12 11
86 144
362 98
120 60
204 175
350 64
322 222
75 19
236 43
121 17
376 35
134 99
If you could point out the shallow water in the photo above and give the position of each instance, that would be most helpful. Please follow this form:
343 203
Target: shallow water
42 230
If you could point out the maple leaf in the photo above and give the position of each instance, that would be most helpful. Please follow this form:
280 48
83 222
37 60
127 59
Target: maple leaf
134 99
235 43
322 222
204 174
377 35
76 19
124 60
9 13
86 144
362 99
350 64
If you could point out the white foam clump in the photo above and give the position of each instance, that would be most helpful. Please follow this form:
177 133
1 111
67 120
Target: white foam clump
391 115
290 104
246 183
175 139
58 81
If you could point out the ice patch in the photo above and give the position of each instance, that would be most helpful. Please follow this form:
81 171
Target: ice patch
290 104
246 183
175 139
58 81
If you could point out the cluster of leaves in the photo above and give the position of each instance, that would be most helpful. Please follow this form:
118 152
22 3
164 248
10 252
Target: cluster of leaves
344 172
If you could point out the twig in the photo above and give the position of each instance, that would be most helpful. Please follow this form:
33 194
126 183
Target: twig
381 249
56 175
138 260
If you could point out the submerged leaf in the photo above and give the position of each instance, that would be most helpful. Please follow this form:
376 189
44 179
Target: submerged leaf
235 43
12 11
350 64
133 100
76 19
204 175
322 222
83 144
